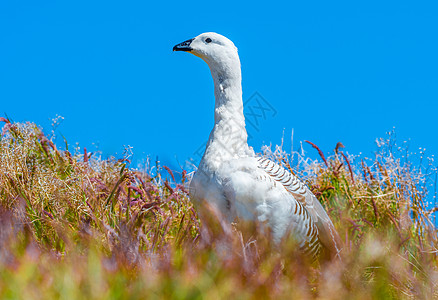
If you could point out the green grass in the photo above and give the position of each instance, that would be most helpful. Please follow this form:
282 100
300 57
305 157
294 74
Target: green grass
79 227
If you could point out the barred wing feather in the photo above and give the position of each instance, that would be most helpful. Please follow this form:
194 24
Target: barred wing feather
327 232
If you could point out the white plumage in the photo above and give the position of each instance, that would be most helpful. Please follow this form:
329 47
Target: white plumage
237 182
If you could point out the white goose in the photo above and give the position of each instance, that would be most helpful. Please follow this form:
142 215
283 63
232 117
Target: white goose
237 182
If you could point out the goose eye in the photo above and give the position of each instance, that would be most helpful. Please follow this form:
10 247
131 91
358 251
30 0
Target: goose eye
208 40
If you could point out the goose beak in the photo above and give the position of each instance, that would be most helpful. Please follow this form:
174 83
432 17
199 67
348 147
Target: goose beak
184 46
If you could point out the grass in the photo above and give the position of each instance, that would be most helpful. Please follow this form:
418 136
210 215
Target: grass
75 226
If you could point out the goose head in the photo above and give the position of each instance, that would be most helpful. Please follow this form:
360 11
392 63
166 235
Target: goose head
217 51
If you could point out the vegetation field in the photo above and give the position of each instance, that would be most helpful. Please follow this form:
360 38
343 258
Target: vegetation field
75 226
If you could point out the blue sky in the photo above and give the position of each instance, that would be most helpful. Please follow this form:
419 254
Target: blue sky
332 71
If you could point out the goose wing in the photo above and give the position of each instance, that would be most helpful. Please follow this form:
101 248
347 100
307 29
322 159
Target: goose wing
327 232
